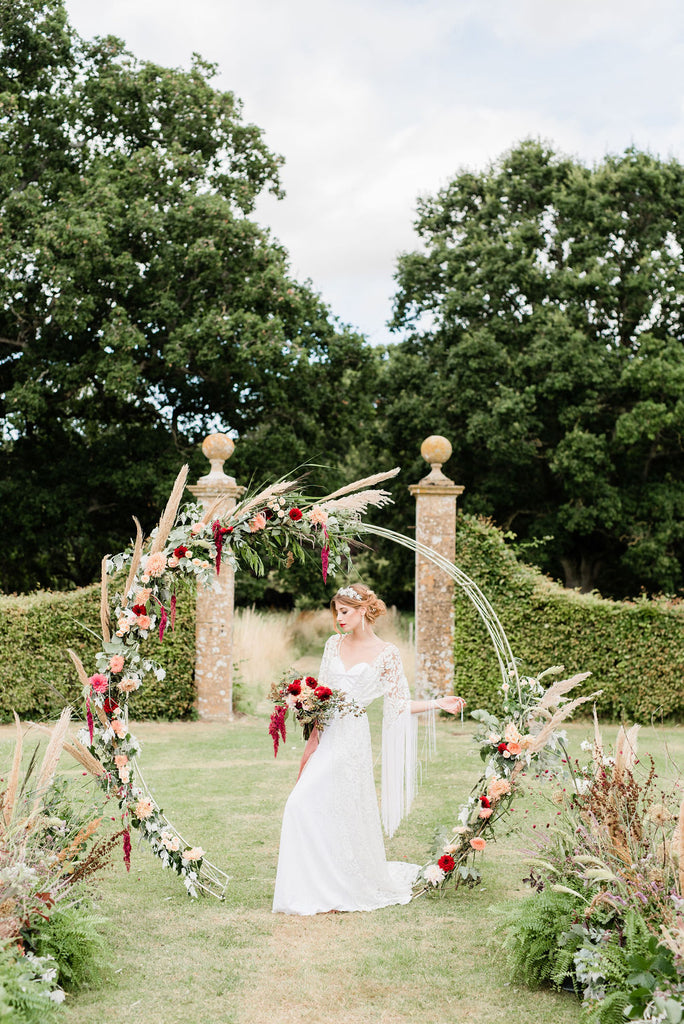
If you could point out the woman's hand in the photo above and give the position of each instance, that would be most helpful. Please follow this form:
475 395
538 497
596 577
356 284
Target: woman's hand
452 705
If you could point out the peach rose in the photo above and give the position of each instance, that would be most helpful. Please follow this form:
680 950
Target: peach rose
485 812
143 622
118 728
196 853
155 564
478 843
128 684
120 760
124 775
142 596
144 808
511 733
172 562
116 662
257 523
498 788
318 516
514 748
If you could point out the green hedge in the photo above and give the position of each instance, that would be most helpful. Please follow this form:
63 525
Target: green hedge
634 649
37 677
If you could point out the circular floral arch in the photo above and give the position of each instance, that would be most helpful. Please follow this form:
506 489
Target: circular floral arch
279 523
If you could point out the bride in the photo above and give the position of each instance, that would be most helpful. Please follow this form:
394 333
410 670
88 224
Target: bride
332 855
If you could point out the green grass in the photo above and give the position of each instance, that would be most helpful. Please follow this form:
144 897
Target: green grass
204 962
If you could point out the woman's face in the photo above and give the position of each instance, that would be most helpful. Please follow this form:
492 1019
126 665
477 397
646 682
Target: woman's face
348 617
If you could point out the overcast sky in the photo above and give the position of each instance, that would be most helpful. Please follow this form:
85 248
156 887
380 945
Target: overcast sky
375 102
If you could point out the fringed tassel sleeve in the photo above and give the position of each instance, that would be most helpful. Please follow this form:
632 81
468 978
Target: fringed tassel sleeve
399 744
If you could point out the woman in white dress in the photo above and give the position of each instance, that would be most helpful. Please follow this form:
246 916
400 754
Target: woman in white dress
332 854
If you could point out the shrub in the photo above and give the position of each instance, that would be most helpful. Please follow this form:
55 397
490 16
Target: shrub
37 677
634 649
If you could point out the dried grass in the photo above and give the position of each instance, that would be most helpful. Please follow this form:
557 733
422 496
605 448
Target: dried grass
365 482
135 561
51 757
168 516
104 602
10 794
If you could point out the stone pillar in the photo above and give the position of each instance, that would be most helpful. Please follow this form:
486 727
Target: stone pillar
436 528
214 628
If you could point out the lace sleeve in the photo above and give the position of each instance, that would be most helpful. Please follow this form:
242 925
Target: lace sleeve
399 742
329 652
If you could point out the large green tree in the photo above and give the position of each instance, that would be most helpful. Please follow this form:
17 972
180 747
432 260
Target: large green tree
543 334
139 303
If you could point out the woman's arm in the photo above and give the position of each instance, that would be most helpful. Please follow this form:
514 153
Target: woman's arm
452 705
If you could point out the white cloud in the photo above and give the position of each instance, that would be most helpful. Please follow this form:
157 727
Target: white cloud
373 102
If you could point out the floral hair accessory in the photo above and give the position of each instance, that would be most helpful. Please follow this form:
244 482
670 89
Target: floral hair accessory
349 592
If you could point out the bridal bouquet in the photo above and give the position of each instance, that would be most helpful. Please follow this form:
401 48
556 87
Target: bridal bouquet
311 704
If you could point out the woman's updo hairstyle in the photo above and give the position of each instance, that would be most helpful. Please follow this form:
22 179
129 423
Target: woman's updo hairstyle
358 595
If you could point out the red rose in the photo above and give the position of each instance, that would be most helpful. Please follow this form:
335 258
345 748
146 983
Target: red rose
322 692
181 551
110 706
484 802
502 747
295 515
295 687
311 682
446 863
139 609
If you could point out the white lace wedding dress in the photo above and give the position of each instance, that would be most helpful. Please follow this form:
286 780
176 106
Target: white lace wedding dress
332 855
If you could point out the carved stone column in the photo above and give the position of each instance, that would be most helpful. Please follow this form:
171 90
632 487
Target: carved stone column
215 604
436 497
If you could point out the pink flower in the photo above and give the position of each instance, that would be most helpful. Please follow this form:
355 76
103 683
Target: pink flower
144 808
257 523
478 843
99 683
155 564
116 662
485 812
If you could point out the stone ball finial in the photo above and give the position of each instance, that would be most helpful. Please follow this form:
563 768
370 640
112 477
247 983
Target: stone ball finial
436 450
218 446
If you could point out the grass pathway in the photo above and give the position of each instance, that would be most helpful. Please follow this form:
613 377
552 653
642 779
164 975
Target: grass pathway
203 962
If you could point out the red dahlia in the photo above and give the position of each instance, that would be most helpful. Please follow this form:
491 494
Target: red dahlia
446 863
295 514
311 682
323 692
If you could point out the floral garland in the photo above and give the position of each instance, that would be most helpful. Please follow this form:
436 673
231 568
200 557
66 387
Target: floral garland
278 523
525 733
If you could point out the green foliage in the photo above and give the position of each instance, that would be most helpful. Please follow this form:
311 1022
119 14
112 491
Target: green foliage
634 649
537 928
37 677
24 997
140 306
543 336
71 937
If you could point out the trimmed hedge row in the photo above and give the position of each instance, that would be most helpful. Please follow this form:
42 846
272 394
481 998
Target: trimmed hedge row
37 677
634 649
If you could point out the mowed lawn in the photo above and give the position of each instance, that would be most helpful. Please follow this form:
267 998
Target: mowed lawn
176 960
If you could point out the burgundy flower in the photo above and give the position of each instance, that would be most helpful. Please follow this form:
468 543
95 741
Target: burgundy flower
127 848
139 609
295 687
324 563
110 706
446 863
502 747
295 514
268 513
311 682
276 727
323 692
181 551
218 533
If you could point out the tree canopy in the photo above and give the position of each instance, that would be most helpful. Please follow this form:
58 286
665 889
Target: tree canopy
543 334
140 305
